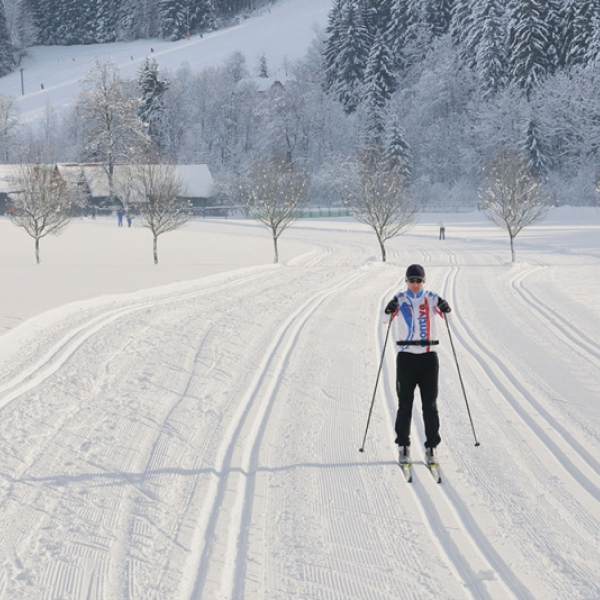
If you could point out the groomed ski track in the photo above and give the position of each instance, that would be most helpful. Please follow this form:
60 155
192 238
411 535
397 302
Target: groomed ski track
200 441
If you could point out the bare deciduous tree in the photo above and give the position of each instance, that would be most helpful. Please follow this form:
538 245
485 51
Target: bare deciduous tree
111 128
511 197
9 126
42 202
274 194
160 194
380 197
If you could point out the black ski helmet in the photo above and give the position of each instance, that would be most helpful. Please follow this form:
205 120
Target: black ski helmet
415 271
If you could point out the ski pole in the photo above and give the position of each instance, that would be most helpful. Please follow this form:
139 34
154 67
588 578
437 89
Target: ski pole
387 333
462 385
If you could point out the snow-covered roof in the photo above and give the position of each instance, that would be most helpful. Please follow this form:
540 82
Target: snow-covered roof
7 178
70 172
265 84
197 180
9 175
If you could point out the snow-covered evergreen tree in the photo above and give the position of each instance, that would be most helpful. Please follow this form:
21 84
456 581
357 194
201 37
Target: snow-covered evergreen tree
528 36
579 17
7 61
461 24
438 14
152 89
180 18
487 40
553 18
334 33
397 154
593 49
404 20
534 149
263 68
107 12
418 36
379 85
351 59
174 17
22 31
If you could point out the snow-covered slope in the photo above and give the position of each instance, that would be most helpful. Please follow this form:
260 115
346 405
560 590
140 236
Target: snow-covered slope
282 32
200 440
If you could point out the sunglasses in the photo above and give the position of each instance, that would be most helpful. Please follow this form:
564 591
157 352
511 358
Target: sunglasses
414 280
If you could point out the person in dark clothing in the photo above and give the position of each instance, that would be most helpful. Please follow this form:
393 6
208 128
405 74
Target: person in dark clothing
414 312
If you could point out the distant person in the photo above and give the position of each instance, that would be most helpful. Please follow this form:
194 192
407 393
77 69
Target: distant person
442 230
129 219
120 215
94 212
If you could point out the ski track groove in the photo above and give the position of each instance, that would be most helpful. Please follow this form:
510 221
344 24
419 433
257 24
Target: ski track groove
503 379
222 536
451 513
579 341
444 514
60 577
253 418
75 339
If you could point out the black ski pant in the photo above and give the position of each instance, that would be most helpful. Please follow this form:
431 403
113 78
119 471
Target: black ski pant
414 370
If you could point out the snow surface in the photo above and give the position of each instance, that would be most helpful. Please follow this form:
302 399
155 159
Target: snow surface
197 436
191 430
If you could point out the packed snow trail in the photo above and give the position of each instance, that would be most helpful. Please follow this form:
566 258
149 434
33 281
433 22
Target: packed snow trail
200 440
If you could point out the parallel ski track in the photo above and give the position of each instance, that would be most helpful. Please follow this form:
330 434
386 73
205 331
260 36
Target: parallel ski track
60 579
68 345
580 465
576 466
462 546
244 436
568 333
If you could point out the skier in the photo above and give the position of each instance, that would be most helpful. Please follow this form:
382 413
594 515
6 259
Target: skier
414 312
442 230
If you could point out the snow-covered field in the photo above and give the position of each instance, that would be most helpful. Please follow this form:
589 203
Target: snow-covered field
191 430
200 439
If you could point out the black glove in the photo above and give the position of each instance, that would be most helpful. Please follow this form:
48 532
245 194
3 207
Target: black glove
392 306
443 305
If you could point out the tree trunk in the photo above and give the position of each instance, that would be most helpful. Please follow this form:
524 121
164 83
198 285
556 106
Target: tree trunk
512 248
276 258
37 250
382 247
155 249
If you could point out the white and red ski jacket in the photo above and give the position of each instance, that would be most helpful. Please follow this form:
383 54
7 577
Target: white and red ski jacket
414 320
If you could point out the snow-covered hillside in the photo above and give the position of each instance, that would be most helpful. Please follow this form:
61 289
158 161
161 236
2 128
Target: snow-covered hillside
200 440
282 32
